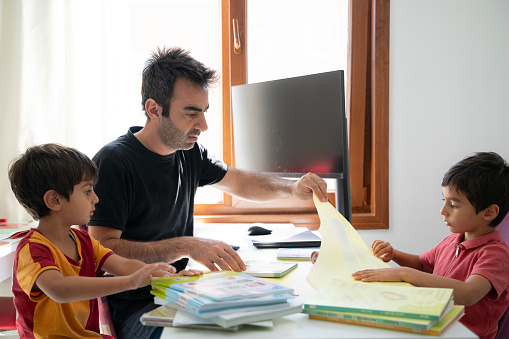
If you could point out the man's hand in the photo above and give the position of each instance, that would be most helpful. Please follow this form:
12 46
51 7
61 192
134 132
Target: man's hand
309 184
214 254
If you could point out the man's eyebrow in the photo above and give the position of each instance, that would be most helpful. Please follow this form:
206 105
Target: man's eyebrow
195 108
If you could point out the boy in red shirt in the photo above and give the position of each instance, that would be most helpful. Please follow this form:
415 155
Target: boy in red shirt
474 260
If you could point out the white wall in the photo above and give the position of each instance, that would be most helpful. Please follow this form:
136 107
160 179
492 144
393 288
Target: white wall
449 97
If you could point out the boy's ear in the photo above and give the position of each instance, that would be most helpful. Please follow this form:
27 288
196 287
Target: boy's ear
491 212
52 200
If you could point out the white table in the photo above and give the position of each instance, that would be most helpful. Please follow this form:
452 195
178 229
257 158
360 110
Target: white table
7 258
295 325
6 261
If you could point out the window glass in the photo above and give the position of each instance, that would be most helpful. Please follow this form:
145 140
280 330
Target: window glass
288 38
194 25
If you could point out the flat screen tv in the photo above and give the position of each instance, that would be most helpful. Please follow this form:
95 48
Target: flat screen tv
293 126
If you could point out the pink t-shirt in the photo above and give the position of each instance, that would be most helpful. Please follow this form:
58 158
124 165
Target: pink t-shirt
488 256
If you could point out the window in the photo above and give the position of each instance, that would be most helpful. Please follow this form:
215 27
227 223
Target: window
83 74
367 109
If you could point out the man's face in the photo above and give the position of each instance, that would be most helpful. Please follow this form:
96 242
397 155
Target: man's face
180 130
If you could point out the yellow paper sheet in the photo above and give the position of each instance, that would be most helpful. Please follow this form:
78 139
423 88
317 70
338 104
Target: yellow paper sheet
342 251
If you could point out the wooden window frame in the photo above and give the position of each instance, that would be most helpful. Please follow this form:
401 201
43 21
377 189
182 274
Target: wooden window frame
367 114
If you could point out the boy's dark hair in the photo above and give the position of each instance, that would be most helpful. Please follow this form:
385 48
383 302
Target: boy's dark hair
48 167
484 179
164 68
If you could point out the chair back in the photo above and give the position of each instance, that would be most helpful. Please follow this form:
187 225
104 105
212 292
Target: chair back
7 314
503 323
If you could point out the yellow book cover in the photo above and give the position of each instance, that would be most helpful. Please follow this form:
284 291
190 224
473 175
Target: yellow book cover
381 299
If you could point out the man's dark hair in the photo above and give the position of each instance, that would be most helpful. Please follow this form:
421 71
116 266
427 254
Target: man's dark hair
48 167
164 68
484 179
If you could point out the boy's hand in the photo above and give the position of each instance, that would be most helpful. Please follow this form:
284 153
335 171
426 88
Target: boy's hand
144 275
381 274
170 271
190 272
382 250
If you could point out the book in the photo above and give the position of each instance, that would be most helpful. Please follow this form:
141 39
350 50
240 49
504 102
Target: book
364 319
226 286
300 254
270 269
436 328
165 316
14 232
370 319
381 299
285 239
197 303
237 318
222 311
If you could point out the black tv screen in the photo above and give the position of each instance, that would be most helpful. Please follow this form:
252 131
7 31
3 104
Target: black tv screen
291 126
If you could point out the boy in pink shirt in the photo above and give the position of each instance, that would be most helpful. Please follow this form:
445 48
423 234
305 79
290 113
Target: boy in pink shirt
474 260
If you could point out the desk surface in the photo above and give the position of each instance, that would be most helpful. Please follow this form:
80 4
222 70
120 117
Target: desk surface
7 257
295 325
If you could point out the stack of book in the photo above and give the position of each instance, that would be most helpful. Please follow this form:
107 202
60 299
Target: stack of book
226 298
167 317
404 308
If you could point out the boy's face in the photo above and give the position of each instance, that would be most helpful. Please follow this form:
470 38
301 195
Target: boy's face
81 204
460 216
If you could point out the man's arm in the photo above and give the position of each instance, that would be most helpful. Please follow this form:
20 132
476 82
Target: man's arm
261 187
210 253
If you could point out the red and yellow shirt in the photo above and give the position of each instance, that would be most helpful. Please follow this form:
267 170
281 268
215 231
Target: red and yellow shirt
38 315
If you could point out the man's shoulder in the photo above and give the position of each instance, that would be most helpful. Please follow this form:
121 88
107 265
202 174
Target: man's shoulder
115 149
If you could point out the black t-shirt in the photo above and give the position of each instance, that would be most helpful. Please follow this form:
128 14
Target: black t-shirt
149 197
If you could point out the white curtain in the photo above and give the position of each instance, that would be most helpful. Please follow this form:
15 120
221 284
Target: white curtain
52 84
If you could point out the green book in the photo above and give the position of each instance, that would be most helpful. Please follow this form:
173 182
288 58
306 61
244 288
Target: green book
381 299
166 282
370 319
437 328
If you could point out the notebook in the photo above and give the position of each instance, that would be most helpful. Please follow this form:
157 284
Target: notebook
271 269
284 239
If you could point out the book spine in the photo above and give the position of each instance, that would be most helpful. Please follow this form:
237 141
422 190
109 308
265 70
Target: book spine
185 307
373 312
377 325
367 319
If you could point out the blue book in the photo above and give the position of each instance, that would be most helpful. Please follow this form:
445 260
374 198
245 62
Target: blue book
202 304
223 311
226 287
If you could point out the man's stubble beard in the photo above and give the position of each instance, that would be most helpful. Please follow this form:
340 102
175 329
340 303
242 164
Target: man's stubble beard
173 137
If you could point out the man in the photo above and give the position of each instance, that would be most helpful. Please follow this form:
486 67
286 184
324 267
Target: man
148 179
